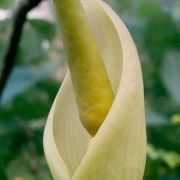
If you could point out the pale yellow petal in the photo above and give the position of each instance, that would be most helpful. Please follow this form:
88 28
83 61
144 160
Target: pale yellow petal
118 151
65 139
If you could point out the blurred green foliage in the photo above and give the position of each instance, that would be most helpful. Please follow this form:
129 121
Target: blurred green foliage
39 70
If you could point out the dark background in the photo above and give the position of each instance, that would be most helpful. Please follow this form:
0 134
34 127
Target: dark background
40 68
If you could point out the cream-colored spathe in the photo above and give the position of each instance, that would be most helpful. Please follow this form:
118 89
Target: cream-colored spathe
118 150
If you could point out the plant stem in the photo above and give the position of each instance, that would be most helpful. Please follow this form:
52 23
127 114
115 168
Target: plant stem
19 19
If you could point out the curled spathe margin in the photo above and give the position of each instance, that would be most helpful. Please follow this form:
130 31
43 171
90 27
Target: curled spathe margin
118 150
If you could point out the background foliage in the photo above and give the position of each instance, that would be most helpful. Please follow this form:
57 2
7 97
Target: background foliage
39 70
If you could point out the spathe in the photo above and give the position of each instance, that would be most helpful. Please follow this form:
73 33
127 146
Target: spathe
118 150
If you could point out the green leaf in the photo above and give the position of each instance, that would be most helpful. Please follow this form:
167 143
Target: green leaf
28 166
170 73
23 78
172 159
6 3
45 29
31 46
154 118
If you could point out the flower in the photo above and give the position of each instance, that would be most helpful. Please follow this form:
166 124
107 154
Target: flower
116 148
